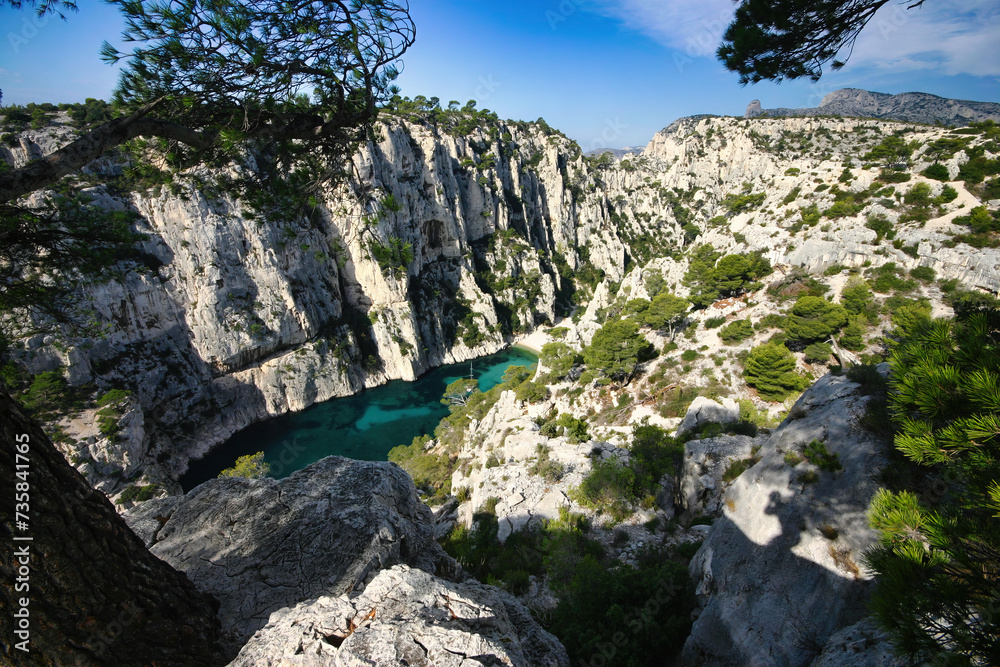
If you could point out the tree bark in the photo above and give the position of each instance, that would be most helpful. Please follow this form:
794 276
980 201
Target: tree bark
96 595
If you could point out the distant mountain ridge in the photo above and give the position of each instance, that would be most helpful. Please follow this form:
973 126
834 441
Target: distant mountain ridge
910 107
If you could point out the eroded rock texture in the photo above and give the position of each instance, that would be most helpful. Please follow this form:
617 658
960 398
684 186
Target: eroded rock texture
781 570
406 617
259 545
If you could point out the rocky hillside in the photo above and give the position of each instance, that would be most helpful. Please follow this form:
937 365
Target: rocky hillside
446 242
909 107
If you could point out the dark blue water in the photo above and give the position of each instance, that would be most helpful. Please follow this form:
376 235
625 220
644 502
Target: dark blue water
364 426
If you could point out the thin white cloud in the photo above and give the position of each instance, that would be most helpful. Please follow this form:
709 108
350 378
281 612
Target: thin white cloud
943 37
692 26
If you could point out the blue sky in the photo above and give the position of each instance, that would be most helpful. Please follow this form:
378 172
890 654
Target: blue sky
606 72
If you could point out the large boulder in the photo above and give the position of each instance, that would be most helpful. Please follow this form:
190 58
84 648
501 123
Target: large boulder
406 617
259 545
704 466
706 411
781 571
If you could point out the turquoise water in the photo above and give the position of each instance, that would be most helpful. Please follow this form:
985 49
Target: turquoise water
365 426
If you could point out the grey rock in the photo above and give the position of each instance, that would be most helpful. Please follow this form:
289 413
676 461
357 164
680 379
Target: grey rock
705 463
706 411
780 571
860 645
445 518
259 545
406 617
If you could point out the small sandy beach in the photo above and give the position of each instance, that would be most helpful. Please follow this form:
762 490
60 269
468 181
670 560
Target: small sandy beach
533 342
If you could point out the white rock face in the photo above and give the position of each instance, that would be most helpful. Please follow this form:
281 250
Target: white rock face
406 617
780 570
230 318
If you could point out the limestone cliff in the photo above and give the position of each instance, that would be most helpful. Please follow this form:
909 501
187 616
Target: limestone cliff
231 318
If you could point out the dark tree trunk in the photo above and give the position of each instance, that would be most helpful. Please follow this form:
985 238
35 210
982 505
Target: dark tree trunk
96 595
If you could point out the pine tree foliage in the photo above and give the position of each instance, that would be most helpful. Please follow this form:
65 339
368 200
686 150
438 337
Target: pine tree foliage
617 349
212 78
251 466
791 39
938 559
712 275
814 318
45 255
665 312
771 369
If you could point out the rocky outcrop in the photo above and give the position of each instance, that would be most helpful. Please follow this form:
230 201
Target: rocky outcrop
406 617
780 571
863 644
909 107
262 545
702 473
704 411
88 591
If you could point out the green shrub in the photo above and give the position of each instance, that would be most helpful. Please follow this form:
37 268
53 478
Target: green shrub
736 331
627 616
689 356
617 349
818 352
559 358
816 453
551 471
792 195
251 466
138 494
886 279
853 337
948 195
47 393
113 396
882 227
937 171
532 392
653 454
431 473
574 429
792 459
992 189
856 297
714 322
909 314
814 318
608 488
923 273
770 368
893 177
712 276
737 467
